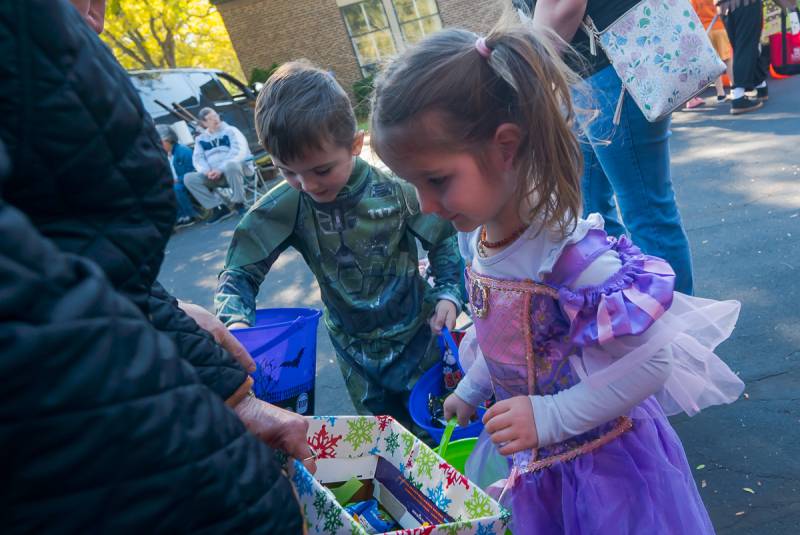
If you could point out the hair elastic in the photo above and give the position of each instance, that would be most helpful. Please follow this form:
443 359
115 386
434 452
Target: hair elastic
482 48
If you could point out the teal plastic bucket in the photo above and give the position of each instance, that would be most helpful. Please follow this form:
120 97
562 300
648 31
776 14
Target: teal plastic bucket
283 344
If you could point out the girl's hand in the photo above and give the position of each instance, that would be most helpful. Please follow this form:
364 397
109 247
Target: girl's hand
444 316
511 426
238 325
455 406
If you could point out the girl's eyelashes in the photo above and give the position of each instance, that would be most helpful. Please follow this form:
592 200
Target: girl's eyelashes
437 180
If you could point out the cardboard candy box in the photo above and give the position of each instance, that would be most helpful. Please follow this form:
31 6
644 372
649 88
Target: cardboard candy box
423 493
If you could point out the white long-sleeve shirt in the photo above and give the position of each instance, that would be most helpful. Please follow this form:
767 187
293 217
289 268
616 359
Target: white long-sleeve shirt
580 408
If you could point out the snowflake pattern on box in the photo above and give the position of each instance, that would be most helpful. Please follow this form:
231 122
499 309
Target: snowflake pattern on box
392 442
426 460
479 505
324 443
438 497
354 437
333 519
359 432
383 422
302 479
408 443
453 476
661 52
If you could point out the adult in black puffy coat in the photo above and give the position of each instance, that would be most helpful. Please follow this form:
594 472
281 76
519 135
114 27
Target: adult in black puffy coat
113 414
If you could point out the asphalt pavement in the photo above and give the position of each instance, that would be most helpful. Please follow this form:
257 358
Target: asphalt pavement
737 180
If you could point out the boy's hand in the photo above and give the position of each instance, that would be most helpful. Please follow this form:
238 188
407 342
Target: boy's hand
511 426
444 316
455 406
208 322
214 174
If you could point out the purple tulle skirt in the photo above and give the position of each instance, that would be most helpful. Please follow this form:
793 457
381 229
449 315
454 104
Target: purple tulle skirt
639 483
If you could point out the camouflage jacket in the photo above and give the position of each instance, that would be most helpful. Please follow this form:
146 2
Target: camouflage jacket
362 249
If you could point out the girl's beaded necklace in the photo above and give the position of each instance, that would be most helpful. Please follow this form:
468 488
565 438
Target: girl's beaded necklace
484 244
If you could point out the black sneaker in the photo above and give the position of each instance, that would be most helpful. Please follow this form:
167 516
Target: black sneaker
762 93
240 208
218 213
744 105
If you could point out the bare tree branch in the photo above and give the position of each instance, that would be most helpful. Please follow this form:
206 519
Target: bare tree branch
128 52
139 40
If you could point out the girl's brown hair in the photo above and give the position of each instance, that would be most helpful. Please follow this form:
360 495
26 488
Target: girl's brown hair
523 81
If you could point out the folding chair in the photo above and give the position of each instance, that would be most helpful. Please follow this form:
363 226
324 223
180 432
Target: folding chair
257 184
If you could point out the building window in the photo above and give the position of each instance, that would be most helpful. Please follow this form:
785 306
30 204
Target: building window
368 26
417 18
379 28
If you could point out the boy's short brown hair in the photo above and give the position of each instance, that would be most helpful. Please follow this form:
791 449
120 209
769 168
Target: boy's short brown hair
301 107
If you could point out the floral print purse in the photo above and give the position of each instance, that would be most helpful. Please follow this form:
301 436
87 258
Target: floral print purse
662 54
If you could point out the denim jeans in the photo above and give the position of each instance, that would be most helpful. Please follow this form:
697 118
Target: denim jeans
185 208
630 161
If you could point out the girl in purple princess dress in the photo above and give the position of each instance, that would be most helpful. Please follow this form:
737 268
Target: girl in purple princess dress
579 335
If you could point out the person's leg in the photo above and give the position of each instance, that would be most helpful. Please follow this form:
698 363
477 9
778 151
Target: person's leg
196 184
185 208
598 196
597 193
637 163
234 175
383 386
744 31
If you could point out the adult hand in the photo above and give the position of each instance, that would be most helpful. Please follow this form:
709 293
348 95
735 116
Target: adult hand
444 315
511 425
278 428
208 322
214 174
455 406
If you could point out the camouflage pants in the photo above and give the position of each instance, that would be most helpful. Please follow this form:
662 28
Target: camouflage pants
385 390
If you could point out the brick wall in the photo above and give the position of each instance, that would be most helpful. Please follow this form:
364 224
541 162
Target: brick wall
274 31
476 15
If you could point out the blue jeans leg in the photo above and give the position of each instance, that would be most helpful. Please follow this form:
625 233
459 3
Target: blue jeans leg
631 161
185 208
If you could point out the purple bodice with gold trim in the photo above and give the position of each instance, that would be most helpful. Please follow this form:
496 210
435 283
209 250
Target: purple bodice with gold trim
523 335
527 330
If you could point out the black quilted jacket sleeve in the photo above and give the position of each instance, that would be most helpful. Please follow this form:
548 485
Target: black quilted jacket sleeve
215 367
103 428
88 168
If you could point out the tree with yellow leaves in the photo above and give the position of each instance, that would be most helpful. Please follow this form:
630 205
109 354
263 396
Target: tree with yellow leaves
164 34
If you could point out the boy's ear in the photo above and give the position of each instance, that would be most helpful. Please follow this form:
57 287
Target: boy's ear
507 138
358 143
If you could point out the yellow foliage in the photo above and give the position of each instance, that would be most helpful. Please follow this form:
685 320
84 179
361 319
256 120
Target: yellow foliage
162 34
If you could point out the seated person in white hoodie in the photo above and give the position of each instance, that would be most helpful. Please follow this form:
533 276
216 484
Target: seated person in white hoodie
219 158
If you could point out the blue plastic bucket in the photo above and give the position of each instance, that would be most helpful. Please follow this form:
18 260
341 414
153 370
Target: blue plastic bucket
431 382
283 343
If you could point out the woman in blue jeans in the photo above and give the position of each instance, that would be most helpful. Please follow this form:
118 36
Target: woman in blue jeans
629 161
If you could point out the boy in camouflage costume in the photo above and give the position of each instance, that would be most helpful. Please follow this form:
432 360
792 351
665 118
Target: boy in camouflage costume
357 229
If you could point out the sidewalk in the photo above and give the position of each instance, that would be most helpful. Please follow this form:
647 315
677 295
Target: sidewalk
738 184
